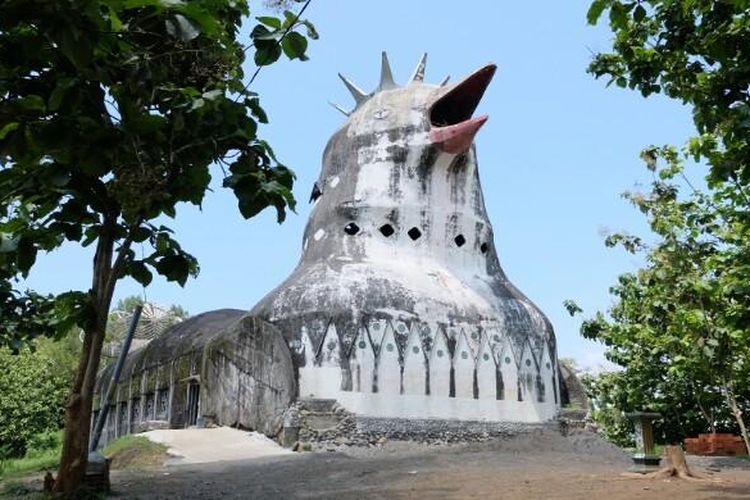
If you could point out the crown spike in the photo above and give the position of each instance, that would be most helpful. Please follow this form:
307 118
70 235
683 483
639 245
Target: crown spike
339 108
386 76
359 95
445 80
418 75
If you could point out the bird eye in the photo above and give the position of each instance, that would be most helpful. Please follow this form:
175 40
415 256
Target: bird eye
381 113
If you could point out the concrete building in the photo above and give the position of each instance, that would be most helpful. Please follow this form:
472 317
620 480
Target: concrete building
399 307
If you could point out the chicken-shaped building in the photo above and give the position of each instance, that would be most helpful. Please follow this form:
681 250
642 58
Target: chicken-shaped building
399 306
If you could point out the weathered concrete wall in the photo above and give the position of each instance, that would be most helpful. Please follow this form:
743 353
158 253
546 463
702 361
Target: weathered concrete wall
240 366
248 377
399 306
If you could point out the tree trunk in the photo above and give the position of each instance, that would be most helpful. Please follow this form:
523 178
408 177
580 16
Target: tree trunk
72 467
676 459
78 420
732 401
676 467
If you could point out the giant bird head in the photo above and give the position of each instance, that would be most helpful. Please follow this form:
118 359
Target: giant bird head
425 114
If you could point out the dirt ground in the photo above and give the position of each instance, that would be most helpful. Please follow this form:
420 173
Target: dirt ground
540 466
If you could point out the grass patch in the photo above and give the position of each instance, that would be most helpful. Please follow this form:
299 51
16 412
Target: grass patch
43 454
135 452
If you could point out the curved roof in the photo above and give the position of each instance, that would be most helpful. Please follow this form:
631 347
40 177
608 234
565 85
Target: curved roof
182 338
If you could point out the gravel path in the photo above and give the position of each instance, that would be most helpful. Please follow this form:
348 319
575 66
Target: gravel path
538 466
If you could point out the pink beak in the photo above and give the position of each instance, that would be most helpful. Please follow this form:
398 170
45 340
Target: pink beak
453 128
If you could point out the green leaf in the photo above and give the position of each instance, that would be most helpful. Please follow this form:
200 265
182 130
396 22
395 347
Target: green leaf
256 110
141 234
139 272
311 31
183 28
32 103
175 268
289 18
212 94
26 255
639 14
199 18
7 129
294 46
76 46
618 16
595 10
267 52
273 22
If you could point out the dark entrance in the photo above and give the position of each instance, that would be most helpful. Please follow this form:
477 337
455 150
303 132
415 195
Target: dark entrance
193 400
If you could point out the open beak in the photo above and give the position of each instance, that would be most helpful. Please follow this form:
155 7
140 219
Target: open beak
453 128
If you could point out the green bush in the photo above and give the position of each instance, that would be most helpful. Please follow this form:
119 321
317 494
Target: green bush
33 387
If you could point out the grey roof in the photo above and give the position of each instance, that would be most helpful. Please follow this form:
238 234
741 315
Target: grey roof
182 338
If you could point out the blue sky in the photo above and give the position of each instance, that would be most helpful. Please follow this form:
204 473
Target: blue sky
556 153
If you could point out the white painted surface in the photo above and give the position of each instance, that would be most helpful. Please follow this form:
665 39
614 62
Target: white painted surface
413 406
440 367
463 368
362 363
415 372
389 368
486 377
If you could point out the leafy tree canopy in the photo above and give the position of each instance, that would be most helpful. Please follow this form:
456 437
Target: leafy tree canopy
695 51
679 326
112 113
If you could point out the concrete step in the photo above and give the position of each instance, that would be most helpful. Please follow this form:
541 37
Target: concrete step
322 421
318 405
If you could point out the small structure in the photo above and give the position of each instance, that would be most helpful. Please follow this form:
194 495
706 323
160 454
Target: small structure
645 457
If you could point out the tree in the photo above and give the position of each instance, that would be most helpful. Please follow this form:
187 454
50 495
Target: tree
114 112
680 326
33 386
687 309
696 52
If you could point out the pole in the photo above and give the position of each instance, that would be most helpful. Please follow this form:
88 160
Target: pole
104 404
